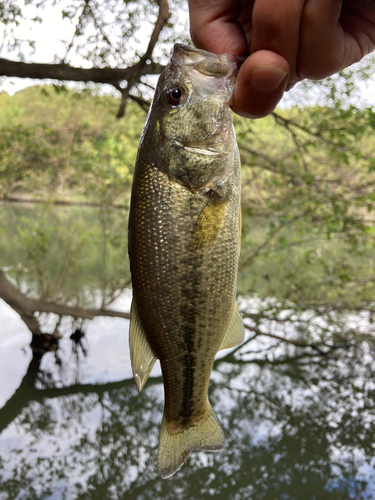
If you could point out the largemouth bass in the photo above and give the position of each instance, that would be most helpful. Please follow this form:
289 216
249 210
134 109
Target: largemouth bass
184 246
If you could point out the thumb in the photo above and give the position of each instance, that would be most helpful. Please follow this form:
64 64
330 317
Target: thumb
261 82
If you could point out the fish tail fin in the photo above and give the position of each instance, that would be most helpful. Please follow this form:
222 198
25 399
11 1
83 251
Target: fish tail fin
174 448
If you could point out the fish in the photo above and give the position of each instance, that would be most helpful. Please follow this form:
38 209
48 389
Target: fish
184 244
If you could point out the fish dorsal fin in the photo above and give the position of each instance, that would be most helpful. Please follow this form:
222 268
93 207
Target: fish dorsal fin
235 333
141 355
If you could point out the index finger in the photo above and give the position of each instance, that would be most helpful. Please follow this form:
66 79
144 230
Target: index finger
276 28
214 26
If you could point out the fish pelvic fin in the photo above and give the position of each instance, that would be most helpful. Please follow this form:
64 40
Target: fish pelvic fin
174 448
141 355
235 333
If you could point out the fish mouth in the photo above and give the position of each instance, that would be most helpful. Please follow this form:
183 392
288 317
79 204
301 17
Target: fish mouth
202 151
207 63
202 65
198 149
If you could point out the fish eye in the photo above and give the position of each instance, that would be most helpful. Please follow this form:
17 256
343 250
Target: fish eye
175 95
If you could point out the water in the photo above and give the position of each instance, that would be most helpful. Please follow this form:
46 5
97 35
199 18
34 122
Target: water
299 425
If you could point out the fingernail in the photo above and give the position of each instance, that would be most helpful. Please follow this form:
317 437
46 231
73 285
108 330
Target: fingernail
266 78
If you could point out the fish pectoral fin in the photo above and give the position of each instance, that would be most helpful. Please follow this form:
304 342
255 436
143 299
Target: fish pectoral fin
209 223
141 355
235 333
174 448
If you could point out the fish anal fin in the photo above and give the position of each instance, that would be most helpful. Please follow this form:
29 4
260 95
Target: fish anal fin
174 448
209 222
235 333
141 355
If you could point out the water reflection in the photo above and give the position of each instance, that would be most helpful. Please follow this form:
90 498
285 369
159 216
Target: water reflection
298 425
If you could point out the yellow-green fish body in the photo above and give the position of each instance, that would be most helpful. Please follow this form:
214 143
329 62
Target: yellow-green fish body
184 246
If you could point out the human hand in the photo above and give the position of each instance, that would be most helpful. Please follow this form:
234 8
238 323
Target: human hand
285 40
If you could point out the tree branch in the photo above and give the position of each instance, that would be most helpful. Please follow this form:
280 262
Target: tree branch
248 259
27 307
145 105
27 392
112 76
65 72
76 32
17 301
161 21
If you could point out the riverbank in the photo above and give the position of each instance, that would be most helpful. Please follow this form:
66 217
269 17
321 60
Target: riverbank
65 200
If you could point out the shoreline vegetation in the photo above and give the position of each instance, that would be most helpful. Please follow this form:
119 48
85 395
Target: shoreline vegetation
29 199
66 147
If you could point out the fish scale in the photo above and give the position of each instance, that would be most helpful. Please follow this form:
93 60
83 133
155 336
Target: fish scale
184 248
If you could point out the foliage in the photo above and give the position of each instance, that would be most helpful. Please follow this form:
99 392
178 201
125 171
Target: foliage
124 43
67 255
308 177
103 32
66 145
308 208
308 203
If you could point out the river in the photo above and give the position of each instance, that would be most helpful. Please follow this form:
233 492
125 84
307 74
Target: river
299 425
